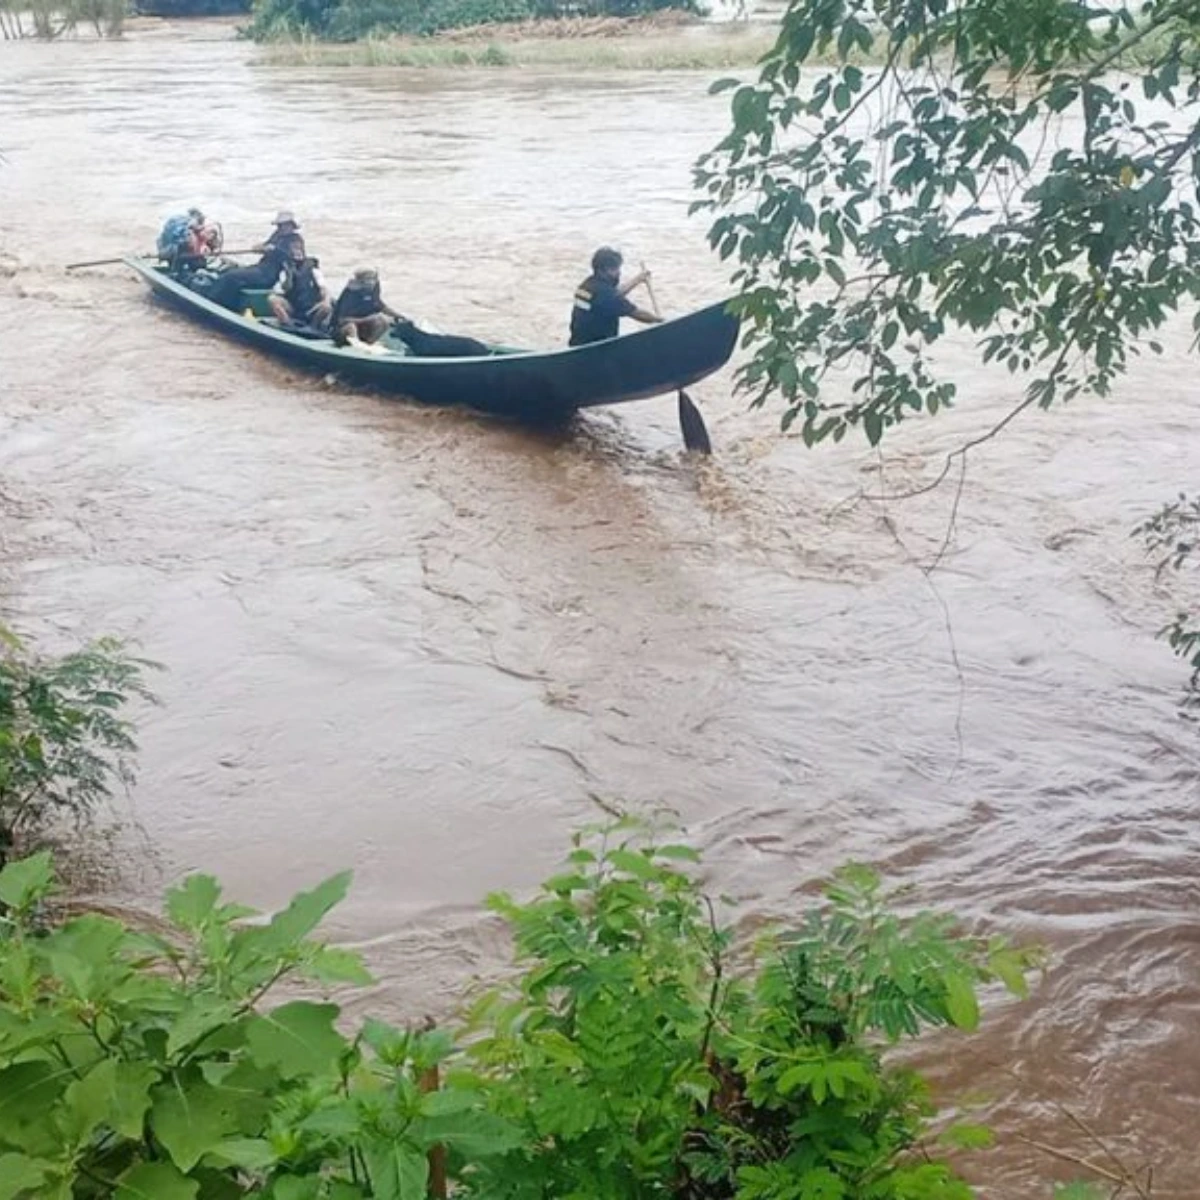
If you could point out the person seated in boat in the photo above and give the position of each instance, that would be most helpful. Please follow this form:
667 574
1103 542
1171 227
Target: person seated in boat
187 242
601 300
204 240
262 275
360 315
300 294
285 228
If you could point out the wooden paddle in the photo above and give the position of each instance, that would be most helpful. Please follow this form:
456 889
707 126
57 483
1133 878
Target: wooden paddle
691 423
111 262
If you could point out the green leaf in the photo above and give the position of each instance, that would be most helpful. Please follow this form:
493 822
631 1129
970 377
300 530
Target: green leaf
969 1137
26 880
190 1118
115 1094
340 1189
801 1075
28 1093
390 1043
297 1039
397 1171
339 1120
961 1003
683 853
473 1134
250 1154
19 1175
1009 969
332 964
295 1187
307 910
203 1014
87 956
632 863
1078 1191
192 903
156 1181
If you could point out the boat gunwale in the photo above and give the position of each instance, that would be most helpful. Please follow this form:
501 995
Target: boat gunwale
160 280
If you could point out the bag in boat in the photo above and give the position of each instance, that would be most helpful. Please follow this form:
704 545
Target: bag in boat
172 236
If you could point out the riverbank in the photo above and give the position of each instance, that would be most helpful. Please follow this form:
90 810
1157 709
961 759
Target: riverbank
602 45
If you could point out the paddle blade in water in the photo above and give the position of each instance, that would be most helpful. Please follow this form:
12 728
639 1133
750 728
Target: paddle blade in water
695 434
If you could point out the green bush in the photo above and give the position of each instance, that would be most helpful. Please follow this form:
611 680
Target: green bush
346 20
627 1060
64 744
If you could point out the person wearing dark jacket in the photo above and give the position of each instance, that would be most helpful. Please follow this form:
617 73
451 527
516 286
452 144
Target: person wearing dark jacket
360 314
227 291
300 294
601 300
361 319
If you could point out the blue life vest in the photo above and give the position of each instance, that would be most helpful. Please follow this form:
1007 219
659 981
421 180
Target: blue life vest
173 235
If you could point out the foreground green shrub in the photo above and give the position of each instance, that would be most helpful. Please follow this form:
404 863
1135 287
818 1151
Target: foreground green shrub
628 1059
137 1066
638 1062
64 743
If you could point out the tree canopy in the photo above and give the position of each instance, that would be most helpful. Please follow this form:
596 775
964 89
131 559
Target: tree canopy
1026 170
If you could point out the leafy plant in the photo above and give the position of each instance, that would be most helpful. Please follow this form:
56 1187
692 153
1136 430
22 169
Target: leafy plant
639 1063
1172 533
872 208
629 1059
597 1051
64 742
135 1066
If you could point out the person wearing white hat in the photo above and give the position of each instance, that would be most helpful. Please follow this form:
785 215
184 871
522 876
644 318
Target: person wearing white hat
275 251
286 227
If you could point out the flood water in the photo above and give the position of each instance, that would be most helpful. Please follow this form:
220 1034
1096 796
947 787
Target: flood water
428 646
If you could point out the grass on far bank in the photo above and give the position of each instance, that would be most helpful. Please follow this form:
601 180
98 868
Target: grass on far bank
710 50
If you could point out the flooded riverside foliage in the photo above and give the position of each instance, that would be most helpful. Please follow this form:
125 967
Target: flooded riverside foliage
627 1060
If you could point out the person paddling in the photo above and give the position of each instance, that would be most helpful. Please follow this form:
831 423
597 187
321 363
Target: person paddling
227 291
601 300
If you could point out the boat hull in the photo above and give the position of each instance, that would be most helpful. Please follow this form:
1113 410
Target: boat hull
535 386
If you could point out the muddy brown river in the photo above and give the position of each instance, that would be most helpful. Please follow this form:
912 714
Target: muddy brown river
428 646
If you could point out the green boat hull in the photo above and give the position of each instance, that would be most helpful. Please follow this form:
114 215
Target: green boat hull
539 386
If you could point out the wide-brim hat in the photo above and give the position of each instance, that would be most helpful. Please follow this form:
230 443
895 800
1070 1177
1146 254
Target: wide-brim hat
285 217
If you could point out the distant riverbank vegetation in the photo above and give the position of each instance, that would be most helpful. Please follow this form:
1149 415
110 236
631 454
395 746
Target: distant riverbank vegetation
50 19
351 20
581 44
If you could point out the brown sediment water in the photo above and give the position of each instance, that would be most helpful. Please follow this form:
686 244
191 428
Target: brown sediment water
422 644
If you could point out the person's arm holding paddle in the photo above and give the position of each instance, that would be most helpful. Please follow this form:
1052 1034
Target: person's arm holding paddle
601 300
647 317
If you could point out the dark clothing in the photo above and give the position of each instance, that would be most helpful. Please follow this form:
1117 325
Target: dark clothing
357 302
596 315
227 291
301 285
279 239
438 345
